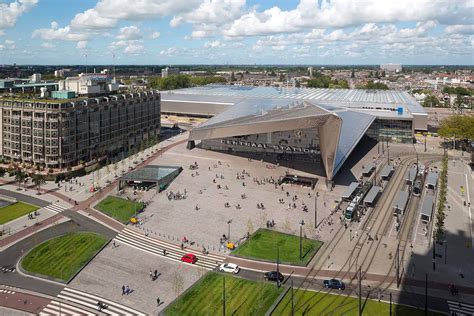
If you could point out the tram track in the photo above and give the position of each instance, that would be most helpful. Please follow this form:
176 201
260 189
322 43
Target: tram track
376 222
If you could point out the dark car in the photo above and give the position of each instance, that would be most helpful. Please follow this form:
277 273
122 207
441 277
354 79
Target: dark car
273 276
334 284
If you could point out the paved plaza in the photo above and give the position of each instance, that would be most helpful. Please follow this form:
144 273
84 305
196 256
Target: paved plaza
202 216
123 265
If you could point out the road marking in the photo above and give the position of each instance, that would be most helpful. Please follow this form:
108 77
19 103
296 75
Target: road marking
416 229
460 307
470 216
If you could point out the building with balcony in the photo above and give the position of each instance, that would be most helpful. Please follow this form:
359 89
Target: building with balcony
65 133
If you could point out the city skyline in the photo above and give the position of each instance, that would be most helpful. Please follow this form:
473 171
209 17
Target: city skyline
236 32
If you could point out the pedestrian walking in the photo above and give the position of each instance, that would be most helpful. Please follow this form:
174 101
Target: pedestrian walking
158 301
123 289
164 252
151 274
127 290
156 273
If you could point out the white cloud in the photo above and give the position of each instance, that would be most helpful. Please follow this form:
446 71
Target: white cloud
57 33
9 13
91 19
214 44
107 13
155 35
81 45
47 45
131 47
10 44
129 33
172 51
460 29
347 13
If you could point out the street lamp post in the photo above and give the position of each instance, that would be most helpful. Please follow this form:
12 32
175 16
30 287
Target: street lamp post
278 266
425 142
301 239
228 228
316 210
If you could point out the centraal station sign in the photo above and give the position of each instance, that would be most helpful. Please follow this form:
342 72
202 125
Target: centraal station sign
286 148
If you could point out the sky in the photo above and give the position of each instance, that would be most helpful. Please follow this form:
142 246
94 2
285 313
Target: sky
173 32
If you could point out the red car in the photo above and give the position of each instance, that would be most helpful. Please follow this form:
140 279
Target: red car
189 258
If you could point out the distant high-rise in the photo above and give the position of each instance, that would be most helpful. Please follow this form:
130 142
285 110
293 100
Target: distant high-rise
310 71
168 71
391 67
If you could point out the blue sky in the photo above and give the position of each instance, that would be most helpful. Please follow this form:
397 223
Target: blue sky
236 32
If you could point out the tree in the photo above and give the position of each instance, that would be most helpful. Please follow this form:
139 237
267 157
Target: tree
374 86
20 176
38 180
232 76
430 101
2 172
458 126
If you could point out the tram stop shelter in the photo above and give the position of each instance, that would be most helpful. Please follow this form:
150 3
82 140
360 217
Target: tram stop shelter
149 177
387 172
371 197
432 180
400 203
426 209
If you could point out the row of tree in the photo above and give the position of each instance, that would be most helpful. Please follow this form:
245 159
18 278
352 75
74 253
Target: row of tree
183 81
440 213
457 126
21 177
374 86
458 90
322 81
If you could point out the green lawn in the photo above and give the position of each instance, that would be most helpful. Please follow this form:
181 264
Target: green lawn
62 257
263 245
310 303
120 209
15 210
243 297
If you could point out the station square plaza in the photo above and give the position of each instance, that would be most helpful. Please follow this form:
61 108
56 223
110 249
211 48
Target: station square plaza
231 165
262 134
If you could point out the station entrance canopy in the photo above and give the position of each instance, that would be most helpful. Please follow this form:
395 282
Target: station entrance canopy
339 129
150 176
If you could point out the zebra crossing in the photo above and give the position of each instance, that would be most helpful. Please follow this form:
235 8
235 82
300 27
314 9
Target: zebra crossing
60 308
7 291
85 302
56 208
7 269
154 246
460 308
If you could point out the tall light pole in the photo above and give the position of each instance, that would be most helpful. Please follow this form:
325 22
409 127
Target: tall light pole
425 142
316 210
278 266
301 239
228 228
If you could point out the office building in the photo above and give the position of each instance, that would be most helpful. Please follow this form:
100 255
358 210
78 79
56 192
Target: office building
65 133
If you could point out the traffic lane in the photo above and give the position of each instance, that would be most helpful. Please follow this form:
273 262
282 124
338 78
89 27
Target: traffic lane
23 301
12 255
25 198
403 296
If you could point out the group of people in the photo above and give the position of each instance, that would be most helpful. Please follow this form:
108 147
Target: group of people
270 224
32 215
126 290
453 289
176 196
154 275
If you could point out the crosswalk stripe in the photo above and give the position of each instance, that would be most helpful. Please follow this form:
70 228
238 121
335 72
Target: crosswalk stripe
130 241
70 307
91 300
166 245
60 308
168 256
460 307
110 303
56 208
